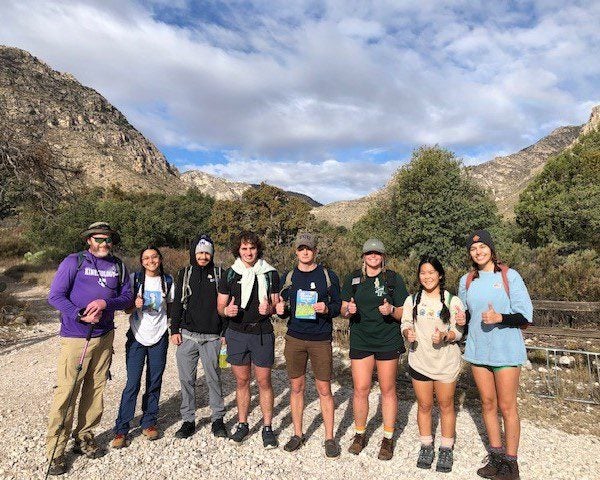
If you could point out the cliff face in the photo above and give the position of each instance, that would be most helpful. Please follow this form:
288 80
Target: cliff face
38 104
506 177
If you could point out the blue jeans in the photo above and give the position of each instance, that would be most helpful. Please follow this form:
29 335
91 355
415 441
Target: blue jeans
136 355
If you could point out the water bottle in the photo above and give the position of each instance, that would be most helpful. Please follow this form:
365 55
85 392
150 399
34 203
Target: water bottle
223 356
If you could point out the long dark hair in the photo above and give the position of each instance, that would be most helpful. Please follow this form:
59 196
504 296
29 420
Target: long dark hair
142 273
437 265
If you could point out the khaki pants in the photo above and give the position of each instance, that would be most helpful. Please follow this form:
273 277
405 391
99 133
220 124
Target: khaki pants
91 382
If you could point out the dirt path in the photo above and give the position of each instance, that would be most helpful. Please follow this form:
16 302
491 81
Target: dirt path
27 378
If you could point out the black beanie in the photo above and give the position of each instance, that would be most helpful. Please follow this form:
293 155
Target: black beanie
482 236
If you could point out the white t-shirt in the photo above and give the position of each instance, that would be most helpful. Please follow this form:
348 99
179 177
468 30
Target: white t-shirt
149 323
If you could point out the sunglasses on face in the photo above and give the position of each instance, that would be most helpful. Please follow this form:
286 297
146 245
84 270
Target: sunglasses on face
100 241
373 253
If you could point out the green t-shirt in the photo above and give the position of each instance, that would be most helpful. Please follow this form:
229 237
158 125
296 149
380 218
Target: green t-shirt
369 330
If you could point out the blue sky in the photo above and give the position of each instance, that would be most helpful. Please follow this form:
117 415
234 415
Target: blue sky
327 98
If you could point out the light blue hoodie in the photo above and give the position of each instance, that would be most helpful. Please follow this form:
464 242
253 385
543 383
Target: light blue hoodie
495 345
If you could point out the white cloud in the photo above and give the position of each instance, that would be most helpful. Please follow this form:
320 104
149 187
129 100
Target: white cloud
302 79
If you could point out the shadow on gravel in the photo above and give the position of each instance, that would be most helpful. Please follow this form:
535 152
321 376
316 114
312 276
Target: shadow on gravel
16 344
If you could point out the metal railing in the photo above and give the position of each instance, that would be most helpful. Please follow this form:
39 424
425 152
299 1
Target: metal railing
572 375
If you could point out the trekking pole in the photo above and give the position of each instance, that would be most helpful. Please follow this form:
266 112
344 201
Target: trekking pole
78 368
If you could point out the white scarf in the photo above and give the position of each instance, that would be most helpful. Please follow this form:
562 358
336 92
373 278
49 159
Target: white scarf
258 270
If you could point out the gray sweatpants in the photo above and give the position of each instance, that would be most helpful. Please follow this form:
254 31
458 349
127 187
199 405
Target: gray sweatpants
206 348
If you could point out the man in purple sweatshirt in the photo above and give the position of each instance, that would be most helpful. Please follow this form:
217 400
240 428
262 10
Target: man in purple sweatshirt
88 288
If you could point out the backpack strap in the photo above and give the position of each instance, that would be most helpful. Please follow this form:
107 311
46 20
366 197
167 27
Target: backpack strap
504 273
287 283
169 282
470 277
448 299
186 290
390 282
269 277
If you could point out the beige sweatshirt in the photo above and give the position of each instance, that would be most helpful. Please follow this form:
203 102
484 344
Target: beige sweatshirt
441 361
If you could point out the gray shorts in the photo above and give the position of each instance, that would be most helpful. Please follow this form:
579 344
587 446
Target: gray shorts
246 348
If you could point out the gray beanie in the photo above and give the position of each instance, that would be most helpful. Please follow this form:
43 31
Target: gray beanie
206 245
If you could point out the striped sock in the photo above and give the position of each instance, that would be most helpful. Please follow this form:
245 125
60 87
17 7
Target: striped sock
360 430
496 449
388 432
426 439
511 458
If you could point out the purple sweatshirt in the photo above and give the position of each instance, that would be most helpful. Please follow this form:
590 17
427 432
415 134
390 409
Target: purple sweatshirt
73 289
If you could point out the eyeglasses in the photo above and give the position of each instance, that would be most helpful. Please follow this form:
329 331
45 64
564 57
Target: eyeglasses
100 240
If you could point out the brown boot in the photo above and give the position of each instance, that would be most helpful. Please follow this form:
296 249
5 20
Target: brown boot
119 441
151 433
358 443
494 460
386 452
508 470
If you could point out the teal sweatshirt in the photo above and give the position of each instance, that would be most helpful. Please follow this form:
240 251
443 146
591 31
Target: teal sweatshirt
495 345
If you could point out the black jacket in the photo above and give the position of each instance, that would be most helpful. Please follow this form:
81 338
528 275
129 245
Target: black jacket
201 314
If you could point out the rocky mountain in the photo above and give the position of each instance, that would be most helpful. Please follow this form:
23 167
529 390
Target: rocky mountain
39 104
505 177
223 189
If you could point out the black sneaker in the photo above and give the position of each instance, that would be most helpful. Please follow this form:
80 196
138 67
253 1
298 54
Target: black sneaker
186 430
269 440
241 432
58 466
332 449
426 455
490 469
445 460
218 429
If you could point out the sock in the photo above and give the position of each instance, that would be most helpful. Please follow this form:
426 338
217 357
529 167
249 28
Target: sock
496 449
267 427
511 458
426 439
447 442
388 432
360 430
243 423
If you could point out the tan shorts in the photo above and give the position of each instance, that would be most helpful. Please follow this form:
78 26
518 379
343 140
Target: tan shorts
297 353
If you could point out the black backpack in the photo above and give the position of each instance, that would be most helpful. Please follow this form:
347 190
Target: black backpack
118 263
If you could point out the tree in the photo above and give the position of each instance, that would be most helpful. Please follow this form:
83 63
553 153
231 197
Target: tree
562 203
433 206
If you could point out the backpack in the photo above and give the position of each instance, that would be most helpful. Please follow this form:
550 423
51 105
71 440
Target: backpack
137 281
232 276
288 283
504 271
118 263
186 290
389 279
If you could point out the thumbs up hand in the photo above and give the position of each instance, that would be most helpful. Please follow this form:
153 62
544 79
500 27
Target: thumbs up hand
460 317
320 307
385 308
437 336
231 310
264 308
139 302
280 307
410 335
351 307
490 316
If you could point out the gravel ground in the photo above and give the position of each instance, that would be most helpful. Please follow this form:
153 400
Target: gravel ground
27 377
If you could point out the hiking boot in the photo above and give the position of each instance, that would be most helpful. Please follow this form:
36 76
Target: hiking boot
332 449
151 433
58 466
426 455
507 470
445 460
386 451
218 428
87 446
186 430
494 460
241 432
359 442
269 440
119 441
294 443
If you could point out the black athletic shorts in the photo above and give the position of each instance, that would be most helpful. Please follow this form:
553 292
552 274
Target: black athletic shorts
246 348
418 376
356 354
